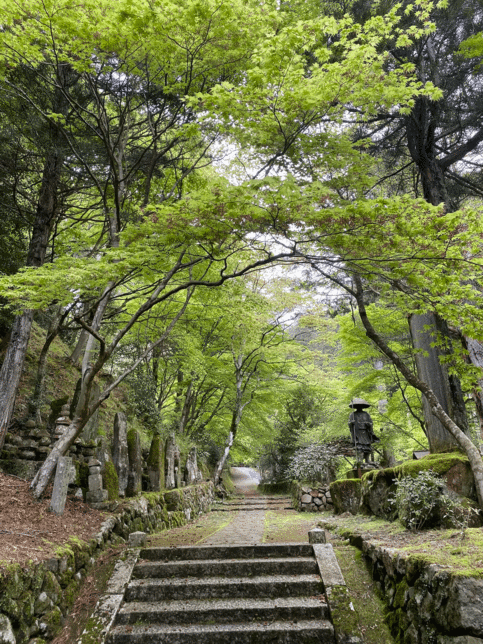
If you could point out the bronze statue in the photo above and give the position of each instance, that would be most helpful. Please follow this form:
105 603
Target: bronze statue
360 425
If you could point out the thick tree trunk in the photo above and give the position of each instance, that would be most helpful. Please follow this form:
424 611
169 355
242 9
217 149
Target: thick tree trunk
445 387
475 356
420 130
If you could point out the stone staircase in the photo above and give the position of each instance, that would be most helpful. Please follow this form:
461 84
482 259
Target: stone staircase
254 503
231 594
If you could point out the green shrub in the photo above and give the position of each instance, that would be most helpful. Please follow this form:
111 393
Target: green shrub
417 500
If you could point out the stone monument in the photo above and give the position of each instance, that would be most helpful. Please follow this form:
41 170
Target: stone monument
120 456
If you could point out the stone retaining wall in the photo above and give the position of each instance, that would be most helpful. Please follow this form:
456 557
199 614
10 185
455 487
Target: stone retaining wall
428 604
35 600
307 498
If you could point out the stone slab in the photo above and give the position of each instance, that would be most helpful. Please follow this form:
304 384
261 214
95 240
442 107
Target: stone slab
61 484
328 565
137 539
101 620
122 574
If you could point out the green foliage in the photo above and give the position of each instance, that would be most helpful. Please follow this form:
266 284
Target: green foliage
417 499
316 462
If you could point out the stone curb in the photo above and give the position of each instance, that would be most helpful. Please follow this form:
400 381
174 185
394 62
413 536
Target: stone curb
343 615
108 605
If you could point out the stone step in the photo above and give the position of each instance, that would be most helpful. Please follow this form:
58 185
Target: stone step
224 611
221 587
226 567
275 632
195 553
251 509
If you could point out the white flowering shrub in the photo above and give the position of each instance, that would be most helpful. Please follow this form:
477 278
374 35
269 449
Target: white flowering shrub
315 462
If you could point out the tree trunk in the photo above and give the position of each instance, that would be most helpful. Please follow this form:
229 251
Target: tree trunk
420 130
437 410
445 387
475 355
35 402
17 348
221 463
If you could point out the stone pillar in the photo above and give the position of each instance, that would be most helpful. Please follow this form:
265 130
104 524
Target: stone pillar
191 469
61 483
89 432
95 494
155 465
135 473
170 462
62 422
119 451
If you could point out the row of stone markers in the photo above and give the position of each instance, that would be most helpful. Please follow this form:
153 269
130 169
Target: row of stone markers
161 471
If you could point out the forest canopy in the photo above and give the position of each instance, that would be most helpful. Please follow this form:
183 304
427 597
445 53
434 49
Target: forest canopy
183 180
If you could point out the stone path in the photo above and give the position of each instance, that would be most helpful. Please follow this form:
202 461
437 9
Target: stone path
247 527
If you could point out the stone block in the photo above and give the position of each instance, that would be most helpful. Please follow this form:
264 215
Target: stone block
136 539
306 498
61 483
6 631
317 535
135 472
328 565
95 482
97 496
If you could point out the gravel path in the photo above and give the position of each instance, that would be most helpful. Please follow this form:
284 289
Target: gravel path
248 525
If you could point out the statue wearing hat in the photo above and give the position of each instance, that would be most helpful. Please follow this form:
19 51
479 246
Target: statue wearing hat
360 425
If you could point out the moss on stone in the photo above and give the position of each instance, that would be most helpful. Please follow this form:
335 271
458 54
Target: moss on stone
346 495
437 463
400 594
343 615
111 481
155 458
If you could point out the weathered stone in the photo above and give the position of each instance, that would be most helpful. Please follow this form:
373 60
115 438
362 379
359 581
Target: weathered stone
120 452
460 639
30 424
346 495
191 468
96 496
155 464
27 454
90 430
328 565
135 472
6 631
136 539
61 482
44 441
171 462
306 498
43 604
464 608
317 535
317 501
95 482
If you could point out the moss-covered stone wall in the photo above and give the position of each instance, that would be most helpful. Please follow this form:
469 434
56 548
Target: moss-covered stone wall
427 603
35 599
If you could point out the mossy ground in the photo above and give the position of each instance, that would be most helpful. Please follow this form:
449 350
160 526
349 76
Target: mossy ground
369 608
460 553
288 526
192 533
